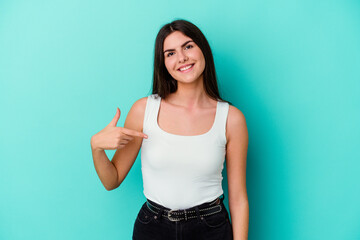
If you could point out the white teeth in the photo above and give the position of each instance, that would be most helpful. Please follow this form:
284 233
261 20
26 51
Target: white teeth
185 68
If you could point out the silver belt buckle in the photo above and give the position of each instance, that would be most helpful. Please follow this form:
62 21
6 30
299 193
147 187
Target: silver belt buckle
172 219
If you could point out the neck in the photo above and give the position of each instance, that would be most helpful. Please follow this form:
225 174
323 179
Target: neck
189 95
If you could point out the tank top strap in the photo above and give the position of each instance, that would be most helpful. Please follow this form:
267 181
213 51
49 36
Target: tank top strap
151 112
221 120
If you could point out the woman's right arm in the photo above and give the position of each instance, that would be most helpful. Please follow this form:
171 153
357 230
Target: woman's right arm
126 140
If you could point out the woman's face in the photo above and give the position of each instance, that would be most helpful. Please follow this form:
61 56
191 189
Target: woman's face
181 52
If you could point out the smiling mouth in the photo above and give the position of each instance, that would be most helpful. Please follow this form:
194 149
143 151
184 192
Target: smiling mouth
187 68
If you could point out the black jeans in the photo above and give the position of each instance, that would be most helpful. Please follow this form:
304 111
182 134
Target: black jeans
152 226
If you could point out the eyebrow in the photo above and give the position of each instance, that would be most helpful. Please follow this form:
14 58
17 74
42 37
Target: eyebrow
181 46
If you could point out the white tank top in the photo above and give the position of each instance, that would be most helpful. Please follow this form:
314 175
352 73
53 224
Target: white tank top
179 171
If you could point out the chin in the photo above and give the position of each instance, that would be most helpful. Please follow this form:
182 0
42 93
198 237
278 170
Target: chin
189 80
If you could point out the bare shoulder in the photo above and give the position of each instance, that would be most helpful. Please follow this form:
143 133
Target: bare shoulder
139 105
135 117
236 123
235 115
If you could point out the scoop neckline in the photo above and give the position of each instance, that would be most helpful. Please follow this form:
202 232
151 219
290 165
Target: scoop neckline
188 136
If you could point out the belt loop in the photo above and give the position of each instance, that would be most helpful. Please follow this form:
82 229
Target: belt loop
159 214
197 213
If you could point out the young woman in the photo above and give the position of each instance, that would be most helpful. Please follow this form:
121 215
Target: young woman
185 131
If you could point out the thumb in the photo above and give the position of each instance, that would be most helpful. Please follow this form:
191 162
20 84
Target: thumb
116 118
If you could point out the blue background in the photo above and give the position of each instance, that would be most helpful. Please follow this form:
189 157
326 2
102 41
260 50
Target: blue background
292 67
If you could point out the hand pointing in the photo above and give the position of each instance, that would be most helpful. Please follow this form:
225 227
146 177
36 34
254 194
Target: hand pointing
113 137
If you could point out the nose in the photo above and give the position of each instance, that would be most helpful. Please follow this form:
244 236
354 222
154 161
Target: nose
182 57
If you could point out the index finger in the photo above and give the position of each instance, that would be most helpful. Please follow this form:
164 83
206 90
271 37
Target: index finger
134 133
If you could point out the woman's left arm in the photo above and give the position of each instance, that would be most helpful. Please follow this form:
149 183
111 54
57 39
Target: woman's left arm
236 153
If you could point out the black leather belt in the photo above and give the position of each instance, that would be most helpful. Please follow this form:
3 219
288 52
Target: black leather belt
185 214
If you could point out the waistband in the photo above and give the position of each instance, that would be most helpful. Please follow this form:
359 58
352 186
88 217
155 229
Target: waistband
198 211
220 198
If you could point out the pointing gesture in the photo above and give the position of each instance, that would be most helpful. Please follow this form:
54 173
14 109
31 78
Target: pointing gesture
113 137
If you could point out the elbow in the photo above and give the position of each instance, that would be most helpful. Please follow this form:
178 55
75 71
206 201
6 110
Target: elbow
115 184
109 188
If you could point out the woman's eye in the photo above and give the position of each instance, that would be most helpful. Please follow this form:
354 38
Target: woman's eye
171 53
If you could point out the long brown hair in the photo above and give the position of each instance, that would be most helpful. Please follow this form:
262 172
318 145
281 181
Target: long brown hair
163 82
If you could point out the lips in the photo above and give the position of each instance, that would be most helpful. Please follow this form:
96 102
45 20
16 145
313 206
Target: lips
187 65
